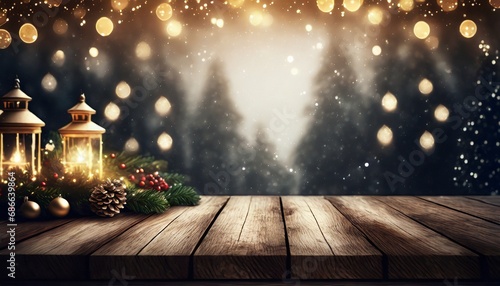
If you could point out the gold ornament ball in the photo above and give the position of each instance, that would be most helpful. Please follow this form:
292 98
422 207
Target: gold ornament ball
30 209
59 207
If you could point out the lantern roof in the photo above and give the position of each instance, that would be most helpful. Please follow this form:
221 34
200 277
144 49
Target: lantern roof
16 118
82 107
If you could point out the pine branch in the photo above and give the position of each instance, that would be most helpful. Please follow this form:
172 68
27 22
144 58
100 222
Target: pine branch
145 201
174 178
180 195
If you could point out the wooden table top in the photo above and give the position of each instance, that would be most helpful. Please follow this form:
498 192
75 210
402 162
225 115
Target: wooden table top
289 238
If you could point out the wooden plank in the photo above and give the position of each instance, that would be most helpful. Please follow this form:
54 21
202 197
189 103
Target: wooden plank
160 246
412 250
324 244
472 207
471 232
62 253
247 241
492 200
28 229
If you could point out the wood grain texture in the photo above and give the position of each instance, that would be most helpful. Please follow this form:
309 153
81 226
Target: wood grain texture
247 241
474 233
62 253
27 229
413 251
493 200
159 247
324 244
472 207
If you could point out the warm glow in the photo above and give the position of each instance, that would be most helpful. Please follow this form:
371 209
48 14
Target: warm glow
49 82
174 28
165 141
441 113
448 5
5 39
352 5
60 26
384 135
59 58
406 5
376 50
389 102
236 3
131 145
164 11
256 18
104 26
425 86
375 16
143 51
495 3
119 4
427 141
3 18
93 52
421 30
162 106
468 29
432 42
112 111
17 157
325 5
123 89
28 33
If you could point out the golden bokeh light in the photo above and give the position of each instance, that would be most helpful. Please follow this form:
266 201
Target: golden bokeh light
164 11
5 39
112 111
384 135
123 89
425 86
325 5
162 106
375 16
376 50
79 12
426 141
143 51
93 52
448 5
256 18
49 83
406 5
131 145
119 4
104 26
28 33
389 102
174 28
432 42
52 3
165 141
441 113
60 26
236 3
421 30
3 18
468 29
495 3
59 58
352 5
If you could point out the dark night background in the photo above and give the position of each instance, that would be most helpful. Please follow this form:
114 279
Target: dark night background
336 151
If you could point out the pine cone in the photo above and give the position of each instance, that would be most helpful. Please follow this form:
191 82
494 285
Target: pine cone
107 199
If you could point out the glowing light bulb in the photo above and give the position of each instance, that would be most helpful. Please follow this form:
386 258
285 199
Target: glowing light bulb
104 26
174 28
93 52
384 135
59 58
164 12
123 89
421 30
427 141
112 111
164 141
352 5
376 50
325 6
389 102
468 29
131 145
16 157
162 106
5 39
49 82
28 33
375 16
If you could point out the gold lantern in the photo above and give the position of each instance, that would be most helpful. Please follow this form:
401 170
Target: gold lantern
82 140
20 133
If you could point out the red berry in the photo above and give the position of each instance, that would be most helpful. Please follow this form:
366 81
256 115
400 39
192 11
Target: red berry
112 155
165 186
141 170
158 188
43 184
56 175
123 166
132 177
143 179
151 183
142 184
